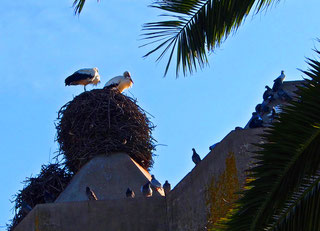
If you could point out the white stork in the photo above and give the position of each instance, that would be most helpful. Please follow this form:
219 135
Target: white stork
121 82
84 77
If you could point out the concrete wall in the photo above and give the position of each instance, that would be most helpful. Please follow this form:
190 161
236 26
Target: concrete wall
109 177
183 209
187 208
108 215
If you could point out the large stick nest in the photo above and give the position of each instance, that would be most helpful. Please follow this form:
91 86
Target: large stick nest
100 122
52 180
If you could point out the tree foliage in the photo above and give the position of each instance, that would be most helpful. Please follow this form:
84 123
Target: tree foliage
78 5
195 28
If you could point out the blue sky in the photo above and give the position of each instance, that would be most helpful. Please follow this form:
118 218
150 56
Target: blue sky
42 42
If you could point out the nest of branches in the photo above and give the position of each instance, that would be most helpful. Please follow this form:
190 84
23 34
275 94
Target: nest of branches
48 185
100 122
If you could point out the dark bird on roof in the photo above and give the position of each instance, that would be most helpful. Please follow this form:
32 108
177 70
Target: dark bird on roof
195 157
25 207
213 146
91 195
84 77
166 187
265 109
155 183
121 82
278 82
130 193
48 198
258 108
268 94
146 189
255 121
272 115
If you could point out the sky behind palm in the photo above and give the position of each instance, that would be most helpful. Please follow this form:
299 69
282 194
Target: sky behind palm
42 42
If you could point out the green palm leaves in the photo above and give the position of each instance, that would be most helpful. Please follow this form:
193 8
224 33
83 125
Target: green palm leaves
78 5
286 192
196 27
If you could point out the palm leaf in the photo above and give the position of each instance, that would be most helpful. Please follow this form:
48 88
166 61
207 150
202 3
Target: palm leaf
196 27
290 154
302 211
78 5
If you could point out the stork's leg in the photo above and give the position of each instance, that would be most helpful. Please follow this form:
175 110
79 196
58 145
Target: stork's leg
84 86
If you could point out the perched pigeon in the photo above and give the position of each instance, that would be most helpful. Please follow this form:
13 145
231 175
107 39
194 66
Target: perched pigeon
258 108
195 157
90 194
25 207
238 128
166 187
278 82
213 146
48 198
265 109
155 183
268 94
130 193
255 121
146 189
272 115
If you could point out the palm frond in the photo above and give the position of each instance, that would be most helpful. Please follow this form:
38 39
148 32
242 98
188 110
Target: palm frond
78 5
302 211
196 27
290 154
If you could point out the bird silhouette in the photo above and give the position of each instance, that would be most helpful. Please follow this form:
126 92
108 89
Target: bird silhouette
255 121
258 108
91 195
278 82
155 183
166 187
272 115
195 157
268 94
130 193
146 189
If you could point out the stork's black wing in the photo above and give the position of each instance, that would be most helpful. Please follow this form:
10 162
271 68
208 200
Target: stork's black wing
76 77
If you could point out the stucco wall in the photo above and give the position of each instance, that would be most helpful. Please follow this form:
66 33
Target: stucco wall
108 215
187 207
184 208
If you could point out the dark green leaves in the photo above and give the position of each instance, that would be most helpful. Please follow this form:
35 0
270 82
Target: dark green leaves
78 5
196 28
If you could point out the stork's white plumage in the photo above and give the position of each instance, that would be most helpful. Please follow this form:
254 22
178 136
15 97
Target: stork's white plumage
84 77
121 82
